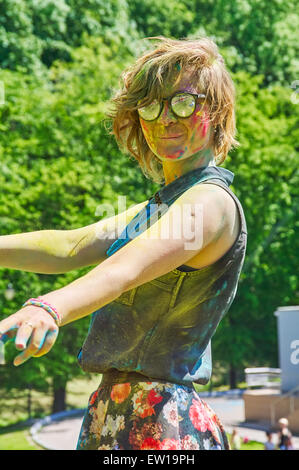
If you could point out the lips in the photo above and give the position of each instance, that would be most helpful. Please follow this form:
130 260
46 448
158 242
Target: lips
172 136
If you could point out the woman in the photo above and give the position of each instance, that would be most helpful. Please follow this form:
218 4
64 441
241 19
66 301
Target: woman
167 280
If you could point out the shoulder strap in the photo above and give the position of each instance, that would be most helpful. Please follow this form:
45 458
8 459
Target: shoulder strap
159 204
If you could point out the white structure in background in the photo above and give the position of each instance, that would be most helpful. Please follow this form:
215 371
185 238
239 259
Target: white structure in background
288 339
263 376
269 403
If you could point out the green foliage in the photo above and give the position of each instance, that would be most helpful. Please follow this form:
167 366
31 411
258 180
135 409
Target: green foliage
35 33
260 40
155 18
252 36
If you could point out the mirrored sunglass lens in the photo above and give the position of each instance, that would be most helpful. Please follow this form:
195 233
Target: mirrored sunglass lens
183 105
150 111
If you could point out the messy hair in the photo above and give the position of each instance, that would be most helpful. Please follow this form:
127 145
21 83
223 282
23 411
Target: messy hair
144 81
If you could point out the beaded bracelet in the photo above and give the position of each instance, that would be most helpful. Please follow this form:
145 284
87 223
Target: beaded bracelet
39 302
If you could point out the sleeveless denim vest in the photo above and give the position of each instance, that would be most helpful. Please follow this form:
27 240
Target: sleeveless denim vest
163 328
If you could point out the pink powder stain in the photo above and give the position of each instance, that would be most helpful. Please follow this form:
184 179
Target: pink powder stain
205 128
200 120
176 155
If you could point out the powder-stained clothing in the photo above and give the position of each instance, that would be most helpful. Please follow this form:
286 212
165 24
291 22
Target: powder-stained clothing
162 329
153 342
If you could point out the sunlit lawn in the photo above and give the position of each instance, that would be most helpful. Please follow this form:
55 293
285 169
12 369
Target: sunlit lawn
251 445
17 439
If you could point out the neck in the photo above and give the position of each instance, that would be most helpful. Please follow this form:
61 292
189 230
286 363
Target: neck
173 170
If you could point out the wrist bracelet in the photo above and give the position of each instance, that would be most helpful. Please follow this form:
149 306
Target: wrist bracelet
39 302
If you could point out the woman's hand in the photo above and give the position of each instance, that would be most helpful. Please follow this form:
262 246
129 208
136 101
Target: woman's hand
35 332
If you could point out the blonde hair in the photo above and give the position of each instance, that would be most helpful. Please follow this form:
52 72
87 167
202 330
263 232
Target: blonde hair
283 421
145 79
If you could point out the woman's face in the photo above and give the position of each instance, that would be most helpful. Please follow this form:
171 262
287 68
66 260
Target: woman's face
172 138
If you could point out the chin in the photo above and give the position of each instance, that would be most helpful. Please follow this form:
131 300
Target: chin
176 155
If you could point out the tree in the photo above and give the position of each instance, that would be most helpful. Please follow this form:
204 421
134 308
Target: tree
35 33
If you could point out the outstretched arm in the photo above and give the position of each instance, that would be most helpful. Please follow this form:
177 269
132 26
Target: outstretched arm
60 251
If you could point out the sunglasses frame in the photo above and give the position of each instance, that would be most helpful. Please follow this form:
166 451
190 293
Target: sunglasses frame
195 95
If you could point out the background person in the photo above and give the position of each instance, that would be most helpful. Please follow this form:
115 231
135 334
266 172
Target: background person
235 440
284 435
269 445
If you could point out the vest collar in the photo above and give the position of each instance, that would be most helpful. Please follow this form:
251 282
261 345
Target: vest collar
192 177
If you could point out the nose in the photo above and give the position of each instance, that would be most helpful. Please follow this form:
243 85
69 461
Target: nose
166 116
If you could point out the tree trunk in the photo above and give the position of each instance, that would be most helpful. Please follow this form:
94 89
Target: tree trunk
232 377
59 396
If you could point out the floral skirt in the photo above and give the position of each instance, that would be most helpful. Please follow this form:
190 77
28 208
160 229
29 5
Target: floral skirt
129 412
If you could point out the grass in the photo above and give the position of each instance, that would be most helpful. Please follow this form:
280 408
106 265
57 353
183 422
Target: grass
250 445
17 438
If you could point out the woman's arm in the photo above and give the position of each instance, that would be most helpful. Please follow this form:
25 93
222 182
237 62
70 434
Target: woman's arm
43 251
60 251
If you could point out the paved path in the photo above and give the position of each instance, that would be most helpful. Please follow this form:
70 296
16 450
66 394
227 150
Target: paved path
60 435
63 434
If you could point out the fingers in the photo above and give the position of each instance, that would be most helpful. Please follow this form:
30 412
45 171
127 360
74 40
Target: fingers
9 335
41 341
7 325
35 333
48 343
23 335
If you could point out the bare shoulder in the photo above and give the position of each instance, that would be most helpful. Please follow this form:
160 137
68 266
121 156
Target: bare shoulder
213 194
221 216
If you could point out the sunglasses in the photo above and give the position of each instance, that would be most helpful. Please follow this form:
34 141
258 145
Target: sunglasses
181 104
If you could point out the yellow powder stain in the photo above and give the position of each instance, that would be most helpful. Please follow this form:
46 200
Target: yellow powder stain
85 240
52 242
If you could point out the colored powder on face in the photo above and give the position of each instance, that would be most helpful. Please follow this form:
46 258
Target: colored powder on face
176 155
179 154
205 128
